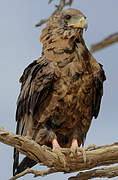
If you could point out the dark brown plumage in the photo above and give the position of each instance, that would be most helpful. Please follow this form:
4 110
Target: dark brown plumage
60 92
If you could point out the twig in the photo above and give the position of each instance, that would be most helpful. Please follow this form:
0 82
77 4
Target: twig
59 7
109 172
43 21
113 38
69 3
36 173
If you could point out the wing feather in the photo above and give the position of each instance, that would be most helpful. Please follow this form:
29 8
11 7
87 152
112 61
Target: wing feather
99 78
36 85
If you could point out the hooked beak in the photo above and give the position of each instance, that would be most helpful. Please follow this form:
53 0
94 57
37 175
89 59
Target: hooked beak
78 22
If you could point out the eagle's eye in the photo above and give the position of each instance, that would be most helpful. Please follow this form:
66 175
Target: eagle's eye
67 17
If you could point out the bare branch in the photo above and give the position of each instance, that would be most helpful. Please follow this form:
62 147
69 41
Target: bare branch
109 172
62 160
113 38
59 7
36 173
28 147
43 21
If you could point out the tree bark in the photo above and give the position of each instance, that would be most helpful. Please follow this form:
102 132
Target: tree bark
63 160
109 172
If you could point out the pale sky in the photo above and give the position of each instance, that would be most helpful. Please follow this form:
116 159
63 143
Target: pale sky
20 45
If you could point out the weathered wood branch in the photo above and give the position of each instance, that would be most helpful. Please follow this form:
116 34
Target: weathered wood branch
61 160
36 173
108 172
111 39
59 7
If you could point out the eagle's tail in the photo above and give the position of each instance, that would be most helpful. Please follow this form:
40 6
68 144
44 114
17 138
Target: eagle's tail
25 163
16 160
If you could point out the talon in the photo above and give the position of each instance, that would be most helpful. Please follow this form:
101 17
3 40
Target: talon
83 151
75 149
61 156
73 152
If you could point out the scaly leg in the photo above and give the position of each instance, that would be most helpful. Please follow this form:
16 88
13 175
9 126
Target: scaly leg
74 144
55 144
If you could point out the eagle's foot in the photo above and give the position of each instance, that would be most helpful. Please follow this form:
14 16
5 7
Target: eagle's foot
61 157
57 149
75 150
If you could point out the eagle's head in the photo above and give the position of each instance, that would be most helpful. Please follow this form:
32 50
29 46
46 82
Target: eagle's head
62 30
67 23
72 18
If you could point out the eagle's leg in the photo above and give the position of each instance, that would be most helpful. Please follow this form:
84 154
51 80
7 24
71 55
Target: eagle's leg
75 149
74 143
56 147
55 144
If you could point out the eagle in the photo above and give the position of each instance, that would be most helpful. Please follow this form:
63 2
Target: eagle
61 91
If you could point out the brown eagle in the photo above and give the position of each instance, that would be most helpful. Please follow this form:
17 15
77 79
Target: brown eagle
61 91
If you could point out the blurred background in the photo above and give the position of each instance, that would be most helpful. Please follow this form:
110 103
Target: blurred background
20 45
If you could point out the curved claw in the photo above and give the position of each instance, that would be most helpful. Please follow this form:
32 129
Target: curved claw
83 151
75 149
